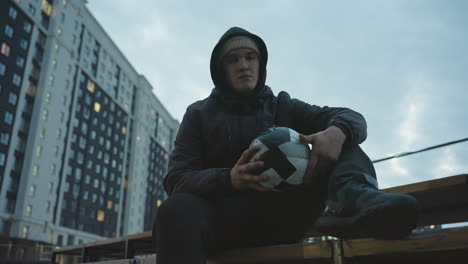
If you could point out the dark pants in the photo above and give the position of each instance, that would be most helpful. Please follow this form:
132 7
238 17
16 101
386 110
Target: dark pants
189 228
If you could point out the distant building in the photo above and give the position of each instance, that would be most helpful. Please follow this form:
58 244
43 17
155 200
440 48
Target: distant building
84 142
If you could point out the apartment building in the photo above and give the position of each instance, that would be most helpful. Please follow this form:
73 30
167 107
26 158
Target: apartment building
84 141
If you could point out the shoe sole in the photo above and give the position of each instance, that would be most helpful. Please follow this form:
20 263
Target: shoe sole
383 221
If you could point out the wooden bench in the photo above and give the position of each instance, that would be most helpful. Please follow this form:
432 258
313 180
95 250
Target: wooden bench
442 200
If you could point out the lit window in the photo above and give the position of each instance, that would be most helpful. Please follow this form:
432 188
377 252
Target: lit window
59 31
100 216
35 170
51 80
29 210
158 203
25 232
8 31
5 49
38 151
54 62
16 79
109 204
42 132
48 97
12 13
46 7
32 190
45 114
97 107
57 46
91 86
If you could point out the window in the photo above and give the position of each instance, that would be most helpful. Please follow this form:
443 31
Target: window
29 210
59 31
12 98
5 49
2 159
4 138
32 190
8 118
25 232
42 132
8 31
51 187
100 216
16 79
32 9
97 107
12 13
51 80
35 170
38 151
2 69
24 44
91 86
56 151
48 97
27 27
20 62
48 206
45 114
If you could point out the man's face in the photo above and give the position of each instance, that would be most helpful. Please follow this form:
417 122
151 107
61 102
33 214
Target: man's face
241 68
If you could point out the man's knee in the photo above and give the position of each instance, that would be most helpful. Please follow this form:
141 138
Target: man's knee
181 214
177 207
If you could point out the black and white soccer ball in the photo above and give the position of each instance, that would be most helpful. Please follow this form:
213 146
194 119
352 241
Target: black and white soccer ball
284 156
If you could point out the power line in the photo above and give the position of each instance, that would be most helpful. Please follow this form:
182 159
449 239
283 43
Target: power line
421 150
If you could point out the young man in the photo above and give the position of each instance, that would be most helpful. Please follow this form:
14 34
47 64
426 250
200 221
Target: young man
215 203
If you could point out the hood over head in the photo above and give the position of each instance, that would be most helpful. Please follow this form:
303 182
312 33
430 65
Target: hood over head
217 72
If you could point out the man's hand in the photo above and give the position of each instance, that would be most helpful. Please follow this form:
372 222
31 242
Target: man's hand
241 178
326 150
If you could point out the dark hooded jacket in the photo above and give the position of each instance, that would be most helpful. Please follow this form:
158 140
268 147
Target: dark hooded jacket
215 131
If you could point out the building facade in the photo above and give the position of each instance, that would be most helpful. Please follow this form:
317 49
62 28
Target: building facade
84 141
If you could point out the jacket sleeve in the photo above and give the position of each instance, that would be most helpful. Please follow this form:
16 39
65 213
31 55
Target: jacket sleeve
311 119
186 172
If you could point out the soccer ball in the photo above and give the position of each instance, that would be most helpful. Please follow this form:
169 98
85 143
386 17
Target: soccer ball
284 156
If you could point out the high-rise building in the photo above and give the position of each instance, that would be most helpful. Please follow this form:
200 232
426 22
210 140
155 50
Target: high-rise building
84 142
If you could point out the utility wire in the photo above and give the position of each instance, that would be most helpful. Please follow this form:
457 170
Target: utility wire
421 150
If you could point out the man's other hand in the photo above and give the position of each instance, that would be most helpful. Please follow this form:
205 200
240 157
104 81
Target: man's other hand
241 176
326 150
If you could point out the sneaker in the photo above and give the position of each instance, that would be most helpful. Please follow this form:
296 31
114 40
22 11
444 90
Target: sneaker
361 210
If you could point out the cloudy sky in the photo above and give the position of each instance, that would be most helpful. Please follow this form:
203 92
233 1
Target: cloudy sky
402 64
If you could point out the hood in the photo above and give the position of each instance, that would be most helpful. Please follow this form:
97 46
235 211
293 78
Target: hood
217 74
